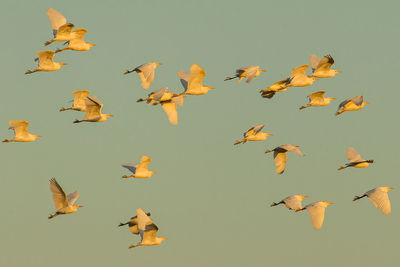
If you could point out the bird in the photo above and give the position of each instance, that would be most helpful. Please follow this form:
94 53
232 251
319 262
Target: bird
379 197
298 77
21 133
146 73
64 203
93 111
79 101
249 72
193 82
61 28
147 230
317 99
351 104
160 95
77 43
46 62
254 134
317 212
133 224
280 156
321 68
169 106
292 202
355 160
139 170
280 86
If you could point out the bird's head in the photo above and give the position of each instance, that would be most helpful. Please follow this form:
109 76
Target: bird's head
63 64
314 79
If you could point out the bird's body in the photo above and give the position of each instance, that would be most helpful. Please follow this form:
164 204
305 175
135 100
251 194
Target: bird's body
46 62
79 100
317 212
293 202
77 42
317 99
64 203
379 197
280 156
249 72
146 73
139 170
355 159
298 77
133 224
21 133
170 108
193 82
254 134
322 67
93 111
280 86
351 104
61 28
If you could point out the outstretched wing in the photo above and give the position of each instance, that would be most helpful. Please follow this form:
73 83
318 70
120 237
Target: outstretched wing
251 73
144 162
380 199
59 197
130 167
45 58
93 107
358 100
56 18
317 97
171 111
280 161
20 127
254 130
299 71
72 197
159 93
325 63
292 148
352 155
197 75
146 74
184 77
317 214
314 60
79 99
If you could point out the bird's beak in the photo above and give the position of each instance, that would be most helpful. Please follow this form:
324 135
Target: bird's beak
391 188
367 103
263 70
154 172
109 115
159 63
329 203
315 79
270 134
64 64
339 71
332 98
305 196
80 206
211 88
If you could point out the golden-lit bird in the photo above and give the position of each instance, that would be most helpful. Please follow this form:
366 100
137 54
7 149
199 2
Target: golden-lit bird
93 111
379 197
146 73
322 67
21 133
249 72
61 28
280 86
133 224
46 62
65 204
298 77
355 160
317 212
160 95
317 99
280 156
139 170
351 104
293 202
254 134
79 100
193 82
170 108
77 42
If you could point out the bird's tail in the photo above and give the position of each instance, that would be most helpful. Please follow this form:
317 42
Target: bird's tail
341 168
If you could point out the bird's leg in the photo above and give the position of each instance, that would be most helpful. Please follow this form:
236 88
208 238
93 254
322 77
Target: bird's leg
59 50
134 246
342 167
129 71
49 42
122 224
78 121
268 151
53 215
64 109
357 197
339 112
126 176
239 142
230 78
300 209
303 107
276 204
31 71
7 141
141 100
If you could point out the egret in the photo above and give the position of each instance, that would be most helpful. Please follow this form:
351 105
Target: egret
133 224
298 77
317 99
355 160
249 72
77 43
79 101
254 134
64 203
61 29
317 212
379 197
93 111
139 170
193 82
46 62
21 133
351 104
322 67
280 156
280 86
146 73
159 95
292 202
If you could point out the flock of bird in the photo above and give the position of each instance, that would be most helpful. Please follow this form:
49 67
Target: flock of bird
192 82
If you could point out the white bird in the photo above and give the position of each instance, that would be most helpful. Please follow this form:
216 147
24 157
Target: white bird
280 156
298 77
79 101
133 224
64 203
139 170
351 104
193 82
61 29
379 197
46 62
146 73
147 230
77 43
322 67
317 212
280 86
254 134
249 72
160 95
21 133
355 160
317 99
293 202
93 111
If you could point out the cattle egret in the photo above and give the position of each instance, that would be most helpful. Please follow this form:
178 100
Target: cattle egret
274 88
79 101
46 62
317 99
298 77
254 134
193 82
146 73
133 224
249 72
292 202
322 67
147 230
93 111
21 133
317 212
64 203
379 197
351 104
160 95
355 160
139 170
61 29
280 156
77 43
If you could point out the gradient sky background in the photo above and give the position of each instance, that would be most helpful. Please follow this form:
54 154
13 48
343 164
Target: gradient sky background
209 198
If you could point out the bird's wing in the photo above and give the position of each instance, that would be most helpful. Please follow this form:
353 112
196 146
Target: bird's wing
358 100
280 161
45 58
143 219
78 34
170 109
149 234
317 214
131 167
184 77
93 107
251 73
352 155
254 130
56 18
20 127
317 96
197 75
380 199
293 202
80 96
325 63
59 197
159 93
72 197
144 162
146 74
314 60
299 71
134 228
65 29
178 100
343 103
292 148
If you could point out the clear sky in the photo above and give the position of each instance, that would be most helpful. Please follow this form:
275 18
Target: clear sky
209 198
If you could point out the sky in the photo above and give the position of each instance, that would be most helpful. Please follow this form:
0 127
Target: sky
209 198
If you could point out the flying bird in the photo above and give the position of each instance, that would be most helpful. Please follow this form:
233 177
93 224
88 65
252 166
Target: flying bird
317 99
351 104
21 133
249 72
61 28
133 224
254 134
93 111
317 212
79 100
46 62
139 170
298 77
292 202
64 203
355 160
322 67
160 95
379 197
280 156
77 43
280 86
146 73
193 82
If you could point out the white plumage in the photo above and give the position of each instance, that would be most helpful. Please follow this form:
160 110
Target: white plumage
46 62
351 104
93 111
21 133
355 160
139 170
254 134
317 99
298 77
79 100
61 29
249 72
317 212
193 82
64 203
280 156
77 42
146 73
133 224
293 202
322 67
379 197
